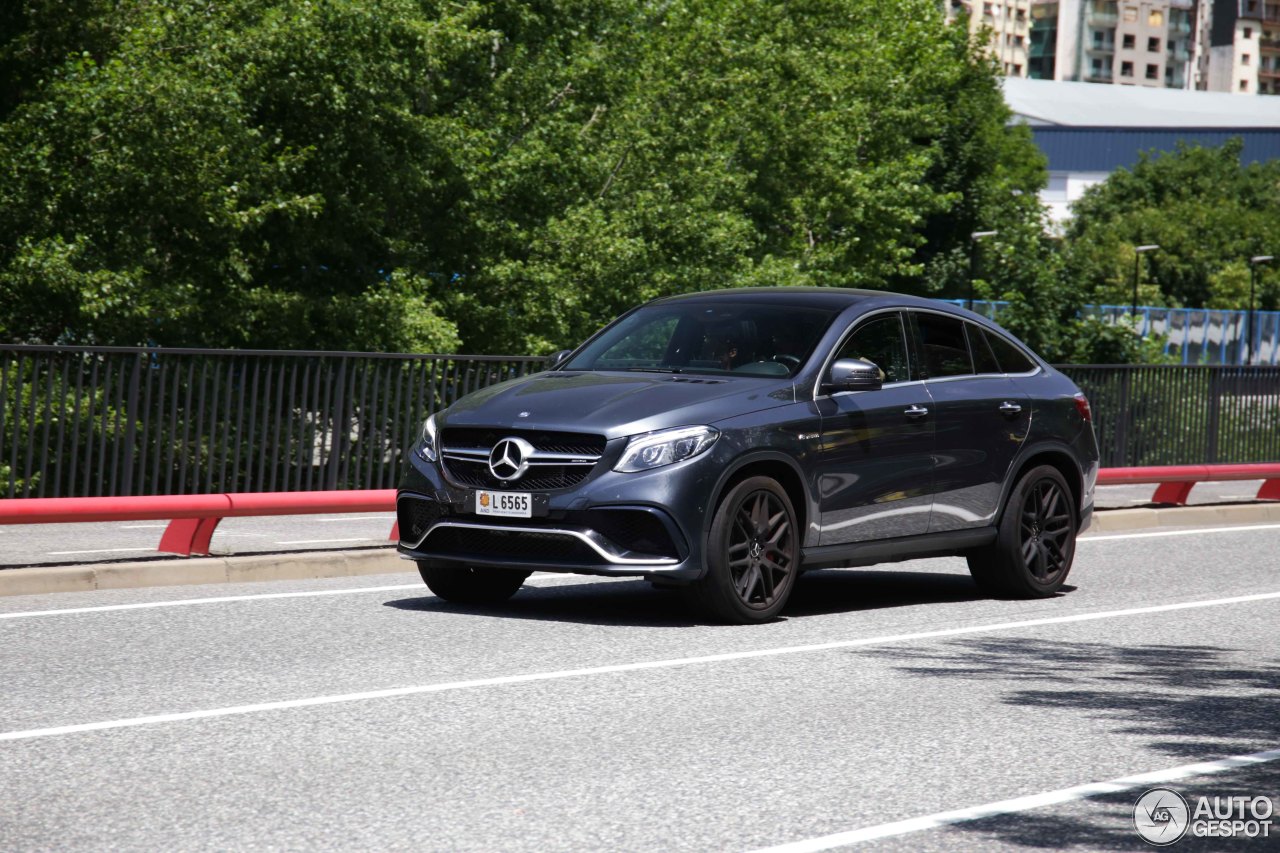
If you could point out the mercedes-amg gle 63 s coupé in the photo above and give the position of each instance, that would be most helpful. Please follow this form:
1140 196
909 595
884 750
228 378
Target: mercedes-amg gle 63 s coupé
726 442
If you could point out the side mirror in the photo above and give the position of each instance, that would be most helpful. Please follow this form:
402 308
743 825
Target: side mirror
853 374
558 358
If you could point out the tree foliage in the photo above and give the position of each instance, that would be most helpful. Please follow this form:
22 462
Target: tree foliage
496 175
1208 213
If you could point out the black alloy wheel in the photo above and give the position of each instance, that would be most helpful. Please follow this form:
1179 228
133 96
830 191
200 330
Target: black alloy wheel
753 553
1035 542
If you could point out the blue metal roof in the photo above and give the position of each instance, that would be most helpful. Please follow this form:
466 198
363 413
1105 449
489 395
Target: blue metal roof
1105 149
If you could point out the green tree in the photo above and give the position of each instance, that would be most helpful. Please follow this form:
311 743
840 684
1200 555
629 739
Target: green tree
1203 208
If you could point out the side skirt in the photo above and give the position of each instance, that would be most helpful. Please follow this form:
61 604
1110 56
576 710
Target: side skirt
945 544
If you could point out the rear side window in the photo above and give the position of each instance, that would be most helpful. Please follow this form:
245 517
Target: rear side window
943 348
880 341
1012 359
984 361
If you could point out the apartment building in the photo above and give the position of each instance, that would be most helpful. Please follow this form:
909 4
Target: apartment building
1238 47
1129 42
1008 25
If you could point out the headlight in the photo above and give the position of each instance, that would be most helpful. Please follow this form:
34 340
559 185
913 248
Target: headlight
663 448
427 441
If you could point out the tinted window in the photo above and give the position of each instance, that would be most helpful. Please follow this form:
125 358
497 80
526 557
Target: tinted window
984 361
711 336
1011 358
880 341
942 346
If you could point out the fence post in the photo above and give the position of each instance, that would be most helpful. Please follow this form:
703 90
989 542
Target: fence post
1122 418
1214 415
131 426
338 428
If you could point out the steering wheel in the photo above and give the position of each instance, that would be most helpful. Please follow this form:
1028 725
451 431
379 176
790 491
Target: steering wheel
789 360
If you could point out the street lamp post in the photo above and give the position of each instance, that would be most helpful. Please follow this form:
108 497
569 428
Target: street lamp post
1138 252
973 251
1253 280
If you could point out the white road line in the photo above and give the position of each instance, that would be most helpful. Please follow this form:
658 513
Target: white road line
321 541
144 605
1022 804
557 675
354 518
99 551
1156 533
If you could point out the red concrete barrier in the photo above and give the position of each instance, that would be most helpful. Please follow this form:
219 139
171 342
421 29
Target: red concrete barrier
193 518
1176 481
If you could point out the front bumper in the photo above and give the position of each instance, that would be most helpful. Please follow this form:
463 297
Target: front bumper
647 524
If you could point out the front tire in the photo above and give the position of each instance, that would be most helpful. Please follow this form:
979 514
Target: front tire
467 585
1035 542
753 554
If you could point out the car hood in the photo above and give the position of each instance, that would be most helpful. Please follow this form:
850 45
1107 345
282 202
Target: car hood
615 404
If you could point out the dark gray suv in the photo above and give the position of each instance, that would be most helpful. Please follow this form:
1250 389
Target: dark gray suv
725 442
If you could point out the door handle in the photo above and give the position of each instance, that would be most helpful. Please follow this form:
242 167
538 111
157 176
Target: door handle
915 411
1008 408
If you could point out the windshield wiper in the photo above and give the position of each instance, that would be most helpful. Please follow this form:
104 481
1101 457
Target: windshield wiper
652 370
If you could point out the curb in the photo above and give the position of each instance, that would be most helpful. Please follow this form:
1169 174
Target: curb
1114 520
380 561
201 570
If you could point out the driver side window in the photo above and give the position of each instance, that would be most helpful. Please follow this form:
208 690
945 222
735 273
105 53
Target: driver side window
880 340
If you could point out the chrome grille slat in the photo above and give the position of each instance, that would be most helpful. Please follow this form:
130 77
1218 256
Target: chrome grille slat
559 460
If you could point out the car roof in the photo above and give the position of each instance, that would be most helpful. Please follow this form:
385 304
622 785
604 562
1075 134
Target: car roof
817 297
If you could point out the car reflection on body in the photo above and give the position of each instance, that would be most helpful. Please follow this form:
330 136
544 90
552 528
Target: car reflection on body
724 442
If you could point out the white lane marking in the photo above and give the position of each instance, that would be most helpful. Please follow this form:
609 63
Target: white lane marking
557 675
1022 804
355 518
99 551
1155 533
538 579
320 541
144 605
143 526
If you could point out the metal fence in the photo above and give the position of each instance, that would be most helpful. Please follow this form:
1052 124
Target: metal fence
111 421
108 421
1176 415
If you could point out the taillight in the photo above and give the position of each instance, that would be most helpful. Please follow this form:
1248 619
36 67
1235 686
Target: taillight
1082 406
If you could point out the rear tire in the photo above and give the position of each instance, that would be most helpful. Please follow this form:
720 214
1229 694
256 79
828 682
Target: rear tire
752 554
1035 542
467 585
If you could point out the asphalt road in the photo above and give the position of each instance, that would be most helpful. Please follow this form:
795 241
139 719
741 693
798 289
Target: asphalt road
364 714
104 542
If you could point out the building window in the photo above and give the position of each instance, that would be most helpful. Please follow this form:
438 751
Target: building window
1131 13
1156 18
1244 59
1126 69
1018 41
1244 85
1022 15
1248 32
1153 72
1128 42
1153 45
1017 70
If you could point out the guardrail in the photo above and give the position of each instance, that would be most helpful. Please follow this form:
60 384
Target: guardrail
193 518
1176 481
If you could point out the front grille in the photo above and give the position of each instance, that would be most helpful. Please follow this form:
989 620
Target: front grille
414 517
485 438
510 545
537 478
472 470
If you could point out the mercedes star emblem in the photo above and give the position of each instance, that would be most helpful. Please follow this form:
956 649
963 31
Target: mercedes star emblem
509 458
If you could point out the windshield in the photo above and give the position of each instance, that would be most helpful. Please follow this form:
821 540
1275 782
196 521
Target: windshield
750 339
